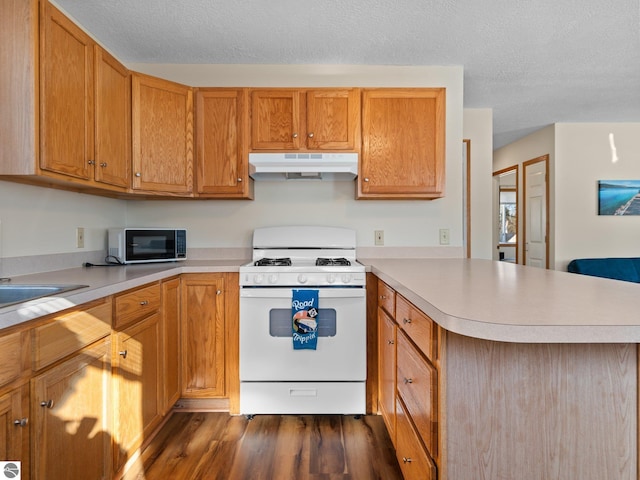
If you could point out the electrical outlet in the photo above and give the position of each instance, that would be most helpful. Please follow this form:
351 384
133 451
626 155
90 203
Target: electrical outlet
379 237
80 237
444 236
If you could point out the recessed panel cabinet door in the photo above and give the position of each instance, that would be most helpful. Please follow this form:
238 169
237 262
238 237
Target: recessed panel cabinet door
222 164
66 96
113 121
387 372
333 119
275 119
162 132
71 431
14 427
403 143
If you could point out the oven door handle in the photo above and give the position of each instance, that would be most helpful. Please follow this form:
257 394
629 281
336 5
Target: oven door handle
270 292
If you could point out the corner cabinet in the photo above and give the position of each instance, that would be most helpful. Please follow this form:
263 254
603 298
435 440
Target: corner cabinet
403 143
295 119
162 136
222 164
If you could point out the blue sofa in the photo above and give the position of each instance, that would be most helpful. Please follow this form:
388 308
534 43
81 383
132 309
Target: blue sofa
626 269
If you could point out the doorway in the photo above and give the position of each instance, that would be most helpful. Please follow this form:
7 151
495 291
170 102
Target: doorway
536 212
505 189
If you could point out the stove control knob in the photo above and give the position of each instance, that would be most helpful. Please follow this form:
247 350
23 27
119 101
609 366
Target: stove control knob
346 278
258 278
331 278
273 278
302 278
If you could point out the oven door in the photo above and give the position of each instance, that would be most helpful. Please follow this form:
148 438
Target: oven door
266 345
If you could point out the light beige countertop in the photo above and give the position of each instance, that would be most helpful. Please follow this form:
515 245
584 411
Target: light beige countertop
101 281
477 298
514 303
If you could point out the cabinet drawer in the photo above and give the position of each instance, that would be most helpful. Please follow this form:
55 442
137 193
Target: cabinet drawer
417 385
70 332
413 460
417 326
136 304
11 351
387 298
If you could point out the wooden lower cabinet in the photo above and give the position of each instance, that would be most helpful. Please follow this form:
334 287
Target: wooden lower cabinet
14 427
203 335
171 387
70 417
136 378
412 457
387 372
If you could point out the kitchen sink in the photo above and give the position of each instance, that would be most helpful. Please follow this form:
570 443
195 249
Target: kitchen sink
18 293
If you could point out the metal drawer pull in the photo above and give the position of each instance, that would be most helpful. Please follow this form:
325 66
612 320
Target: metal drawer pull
408 380
22 422
123 353
391 342
47 404
407 459
144 302
406 320
382 297
218 292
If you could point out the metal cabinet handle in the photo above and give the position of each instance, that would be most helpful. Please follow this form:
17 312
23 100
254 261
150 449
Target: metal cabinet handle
382 297
239 179
138 174
91 162
366 179
390 342
311 135
47 404
407 460
218 292
103 164
21 422
123 353
295 135
408 380
406 320
144 302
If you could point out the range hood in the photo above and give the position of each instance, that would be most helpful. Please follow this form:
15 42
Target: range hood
303 166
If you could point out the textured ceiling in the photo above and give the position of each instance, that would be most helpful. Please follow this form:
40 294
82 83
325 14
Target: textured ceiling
533 63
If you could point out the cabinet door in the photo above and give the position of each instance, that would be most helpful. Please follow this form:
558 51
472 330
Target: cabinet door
403 143
333 119
112 121
66 96
70 431
137 369
14 428
222 163
170 343
162 132
275 119
413 460
203 335
387 372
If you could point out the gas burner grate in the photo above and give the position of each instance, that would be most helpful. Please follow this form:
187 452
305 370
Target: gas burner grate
321 262
273 262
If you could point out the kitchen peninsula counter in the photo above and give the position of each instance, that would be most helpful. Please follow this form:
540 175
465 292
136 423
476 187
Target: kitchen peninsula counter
537 369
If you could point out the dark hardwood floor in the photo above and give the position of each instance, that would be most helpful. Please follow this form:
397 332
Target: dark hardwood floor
271 447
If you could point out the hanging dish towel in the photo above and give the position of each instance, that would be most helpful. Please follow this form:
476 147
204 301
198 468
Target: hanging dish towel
304 310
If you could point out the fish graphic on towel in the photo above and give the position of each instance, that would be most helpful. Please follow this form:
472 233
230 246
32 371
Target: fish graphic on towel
304 310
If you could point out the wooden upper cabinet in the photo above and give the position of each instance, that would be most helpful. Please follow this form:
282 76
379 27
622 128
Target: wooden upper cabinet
66 96
112 121
222 163
293 119
162 132
403 143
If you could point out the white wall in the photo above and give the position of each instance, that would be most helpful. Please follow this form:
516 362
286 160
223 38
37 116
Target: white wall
583 156
230 223
541 142
478 128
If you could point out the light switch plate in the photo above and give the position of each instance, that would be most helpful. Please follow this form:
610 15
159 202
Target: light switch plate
379 237
444 236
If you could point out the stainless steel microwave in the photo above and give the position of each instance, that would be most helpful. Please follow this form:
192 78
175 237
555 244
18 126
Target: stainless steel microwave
143 245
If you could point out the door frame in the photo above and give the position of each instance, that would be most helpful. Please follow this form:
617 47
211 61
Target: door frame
528 163
498 173
467 214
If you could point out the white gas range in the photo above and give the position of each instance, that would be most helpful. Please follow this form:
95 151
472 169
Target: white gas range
275 377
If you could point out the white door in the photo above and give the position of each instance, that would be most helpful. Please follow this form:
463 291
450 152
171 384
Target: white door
536 213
